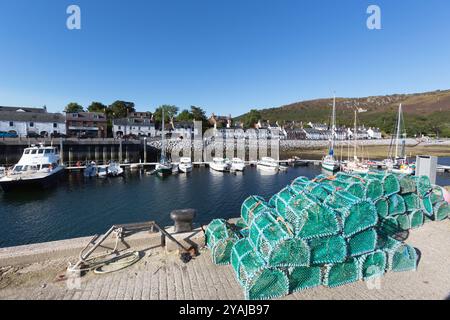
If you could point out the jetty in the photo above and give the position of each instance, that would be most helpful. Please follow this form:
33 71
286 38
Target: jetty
32 272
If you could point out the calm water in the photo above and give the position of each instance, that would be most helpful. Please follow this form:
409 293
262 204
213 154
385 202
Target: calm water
83 207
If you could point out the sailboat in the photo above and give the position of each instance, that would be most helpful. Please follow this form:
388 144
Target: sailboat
397 161
355 165
329 162
164 167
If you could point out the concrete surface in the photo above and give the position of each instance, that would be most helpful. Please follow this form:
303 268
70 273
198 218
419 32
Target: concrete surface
161 275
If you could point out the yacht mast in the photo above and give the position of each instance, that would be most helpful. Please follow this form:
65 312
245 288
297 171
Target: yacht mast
355 138
397 139
163 141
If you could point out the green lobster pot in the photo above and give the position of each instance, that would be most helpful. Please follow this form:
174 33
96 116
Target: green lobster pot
320 221
216 231
251 207
357 189
280 200
412 201
426 205
322 191
328 250
407 184
372 265
404 222
259 281
374 189
360 216
302 278
423 185
391 185
389 226
416 219
441 210
396 205
275 242
402 258
382 207
341 201
362 243
437 195
341 273
221 251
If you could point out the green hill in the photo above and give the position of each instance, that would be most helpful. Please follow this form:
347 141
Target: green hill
427 113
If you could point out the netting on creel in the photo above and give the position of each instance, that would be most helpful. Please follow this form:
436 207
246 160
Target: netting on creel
258 281
341 273
426 205
423 185
412 201
382 207
442 210
328 250
390 182
220 239
301 278
362 243
251 207
396 205
437 194
275 242
374 189
280 200
403 221
407 184
372 265
389 226
360 216
416 219
402 258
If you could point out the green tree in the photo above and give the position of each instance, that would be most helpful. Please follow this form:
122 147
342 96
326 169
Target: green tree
185 115
120 109
73 107
97 107
198 113
252 118
170 111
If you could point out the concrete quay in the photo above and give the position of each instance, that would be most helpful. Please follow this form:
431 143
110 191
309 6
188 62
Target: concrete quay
161 275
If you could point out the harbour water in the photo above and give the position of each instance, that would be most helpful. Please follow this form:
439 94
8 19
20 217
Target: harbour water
82 207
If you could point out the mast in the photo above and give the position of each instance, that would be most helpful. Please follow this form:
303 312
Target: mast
397 138
333 122
355 138
163 140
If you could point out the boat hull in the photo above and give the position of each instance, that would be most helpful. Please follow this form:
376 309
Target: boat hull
32 184
185 169
330 166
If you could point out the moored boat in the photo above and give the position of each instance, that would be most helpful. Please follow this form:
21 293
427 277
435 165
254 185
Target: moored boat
220 164
268 164
185 165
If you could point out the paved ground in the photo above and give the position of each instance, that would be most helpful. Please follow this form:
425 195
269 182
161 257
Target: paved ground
163 276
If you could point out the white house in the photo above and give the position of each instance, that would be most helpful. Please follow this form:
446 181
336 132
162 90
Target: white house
26 121
135 126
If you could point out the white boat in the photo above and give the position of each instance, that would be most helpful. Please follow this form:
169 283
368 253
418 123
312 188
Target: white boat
111 170
237 164
355 165
185 165
164 168
397 161
268 164
329 162
220 164
91 170
38 168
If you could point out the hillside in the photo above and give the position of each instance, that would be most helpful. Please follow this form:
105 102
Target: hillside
427 113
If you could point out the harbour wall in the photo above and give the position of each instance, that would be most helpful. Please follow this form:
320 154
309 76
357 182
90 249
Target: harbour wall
74 150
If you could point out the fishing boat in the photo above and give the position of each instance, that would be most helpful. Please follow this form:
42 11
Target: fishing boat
397 161
268 164
220 164
355 165
39 167
185 165
164 167
112 170
329 162
237 164
91 170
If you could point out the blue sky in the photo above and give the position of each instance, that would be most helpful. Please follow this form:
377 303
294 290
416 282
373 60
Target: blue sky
226 56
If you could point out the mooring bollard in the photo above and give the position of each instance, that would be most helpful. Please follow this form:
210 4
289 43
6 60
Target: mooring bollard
183 219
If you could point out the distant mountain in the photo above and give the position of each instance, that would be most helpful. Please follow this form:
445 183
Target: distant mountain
427 113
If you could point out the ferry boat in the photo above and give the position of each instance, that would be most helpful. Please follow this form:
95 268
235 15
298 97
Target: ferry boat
38 168
268 165
185 165
237 164
220 164
329 162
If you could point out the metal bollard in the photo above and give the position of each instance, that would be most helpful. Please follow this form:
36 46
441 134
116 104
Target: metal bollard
183 219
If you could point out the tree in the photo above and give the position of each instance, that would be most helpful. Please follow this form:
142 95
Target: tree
73 107
198 113
185 115
169 113
252 118
97 107
120 109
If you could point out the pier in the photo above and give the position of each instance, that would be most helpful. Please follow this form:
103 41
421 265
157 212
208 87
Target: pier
31 272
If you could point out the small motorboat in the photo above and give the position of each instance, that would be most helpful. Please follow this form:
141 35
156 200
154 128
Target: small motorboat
220 164
185 165
91 170
237 164
268 165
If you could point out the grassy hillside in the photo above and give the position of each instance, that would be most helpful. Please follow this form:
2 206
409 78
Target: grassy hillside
427 113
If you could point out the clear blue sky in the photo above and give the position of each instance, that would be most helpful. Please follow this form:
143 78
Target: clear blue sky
226 56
